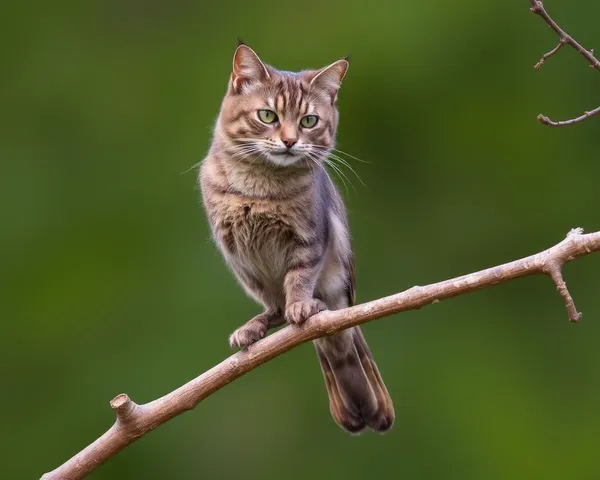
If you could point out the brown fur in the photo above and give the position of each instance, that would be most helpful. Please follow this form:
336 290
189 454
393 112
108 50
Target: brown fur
281 224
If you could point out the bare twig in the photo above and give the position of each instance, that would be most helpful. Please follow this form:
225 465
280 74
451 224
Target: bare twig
134 420
546 121
537 7
549 54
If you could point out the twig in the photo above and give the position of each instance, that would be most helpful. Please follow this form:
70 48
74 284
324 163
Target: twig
134 421
546 121
537 7
549 54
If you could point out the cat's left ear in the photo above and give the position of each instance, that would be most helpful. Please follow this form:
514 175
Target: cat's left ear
247 68
329 79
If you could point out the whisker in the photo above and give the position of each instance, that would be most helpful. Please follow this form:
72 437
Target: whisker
192 167
351 156
339 173
316 157
332 158
245 143
347 165
324 147
243 155
320 165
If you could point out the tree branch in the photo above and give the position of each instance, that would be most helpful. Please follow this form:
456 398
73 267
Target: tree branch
546 121
134 421
537 7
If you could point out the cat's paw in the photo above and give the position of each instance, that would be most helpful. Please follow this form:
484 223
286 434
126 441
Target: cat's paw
298 312
247 334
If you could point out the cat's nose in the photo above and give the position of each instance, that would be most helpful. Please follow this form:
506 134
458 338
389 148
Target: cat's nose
289 142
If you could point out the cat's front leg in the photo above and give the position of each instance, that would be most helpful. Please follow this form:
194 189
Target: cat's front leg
299 285
255 329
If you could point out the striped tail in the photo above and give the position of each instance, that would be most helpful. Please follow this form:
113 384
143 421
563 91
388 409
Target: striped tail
357 395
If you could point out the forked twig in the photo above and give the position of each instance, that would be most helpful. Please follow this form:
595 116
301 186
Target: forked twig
537 7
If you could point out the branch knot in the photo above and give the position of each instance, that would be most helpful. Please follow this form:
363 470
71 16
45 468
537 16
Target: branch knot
127 413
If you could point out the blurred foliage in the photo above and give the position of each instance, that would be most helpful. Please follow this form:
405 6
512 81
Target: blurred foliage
110 283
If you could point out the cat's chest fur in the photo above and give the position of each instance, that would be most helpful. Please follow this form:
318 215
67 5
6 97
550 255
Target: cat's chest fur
257 225
258 234
257 219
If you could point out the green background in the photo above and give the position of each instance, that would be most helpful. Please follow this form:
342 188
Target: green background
110 283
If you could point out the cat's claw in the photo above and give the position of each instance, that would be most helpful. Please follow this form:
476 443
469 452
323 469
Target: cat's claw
248 334
298 312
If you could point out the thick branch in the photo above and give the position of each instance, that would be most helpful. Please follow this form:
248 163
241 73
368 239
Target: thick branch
133 420
537 7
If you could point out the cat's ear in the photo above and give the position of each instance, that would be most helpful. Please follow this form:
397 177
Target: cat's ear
247 68
330 78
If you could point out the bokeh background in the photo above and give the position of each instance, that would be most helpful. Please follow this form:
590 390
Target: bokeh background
110 283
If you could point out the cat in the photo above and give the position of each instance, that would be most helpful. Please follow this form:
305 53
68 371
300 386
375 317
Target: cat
281 225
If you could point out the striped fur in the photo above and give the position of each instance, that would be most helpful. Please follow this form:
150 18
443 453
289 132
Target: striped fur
281 224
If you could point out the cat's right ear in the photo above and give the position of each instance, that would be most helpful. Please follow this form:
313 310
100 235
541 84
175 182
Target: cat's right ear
247 68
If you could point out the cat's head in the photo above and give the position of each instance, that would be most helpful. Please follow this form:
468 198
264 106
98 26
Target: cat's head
277 117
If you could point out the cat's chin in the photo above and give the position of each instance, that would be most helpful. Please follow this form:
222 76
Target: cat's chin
283 160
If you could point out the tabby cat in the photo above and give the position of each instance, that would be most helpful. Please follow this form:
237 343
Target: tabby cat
281 225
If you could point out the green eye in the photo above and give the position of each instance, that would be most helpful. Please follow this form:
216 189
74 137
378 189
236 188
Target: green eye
309 121
267 116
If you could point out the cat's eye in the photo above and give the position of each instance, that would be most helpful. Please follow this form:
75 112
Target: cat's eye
309 121
267 116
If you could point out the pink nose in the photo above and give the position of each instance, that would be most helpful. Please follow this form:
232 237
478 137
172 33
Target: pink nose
289 142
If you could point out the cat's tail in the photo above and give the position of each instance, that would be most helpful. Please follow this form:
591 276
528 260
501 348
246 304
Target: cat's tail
357 395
